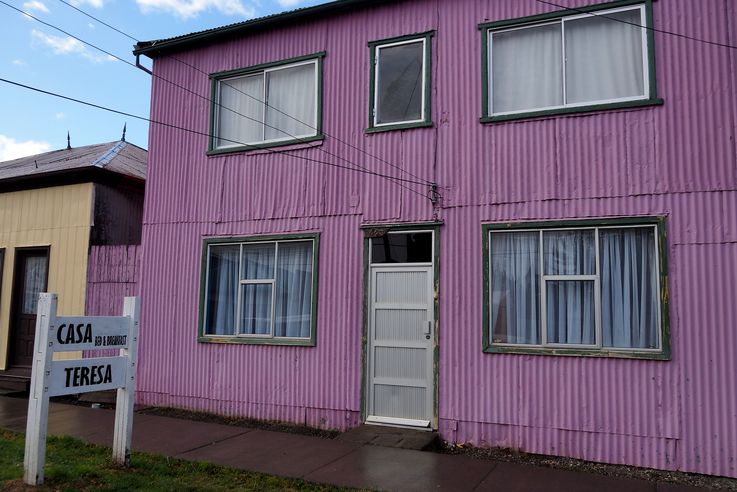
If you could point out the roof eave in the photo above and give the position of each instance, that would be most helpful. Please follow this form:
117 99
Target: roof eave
159 47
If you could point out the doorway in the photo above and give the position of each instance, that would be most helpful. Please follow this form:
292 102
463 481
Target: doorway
30 279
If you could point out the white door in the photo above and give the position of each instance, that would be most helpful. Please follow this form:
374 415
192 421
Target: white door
400 359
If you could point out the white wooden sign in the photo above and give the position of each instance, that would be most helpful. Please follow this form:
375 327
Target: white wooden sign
54 378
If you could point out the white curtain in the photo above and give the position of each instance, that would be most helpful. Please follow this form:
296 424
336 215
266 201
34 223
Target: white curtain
294 290
258 264
629 299
222 283
527 71
291 91
515 287
399 81
34 283
244 124
604 57
570 313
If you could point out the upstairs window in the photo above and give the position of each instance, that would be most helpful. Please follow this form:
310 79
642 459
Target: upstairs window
593 289
400 82
567 63
266 105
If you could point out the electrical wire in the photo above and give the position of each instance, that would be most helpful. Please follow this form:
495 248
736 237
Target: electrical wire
368 171
195 132
193 67
662 31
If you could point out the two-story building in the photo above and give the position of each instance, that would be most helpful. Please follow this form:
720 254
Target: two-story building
511 221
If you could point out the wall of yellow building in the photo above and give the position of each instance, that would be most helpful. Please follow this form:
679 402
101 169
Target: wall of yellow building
59 217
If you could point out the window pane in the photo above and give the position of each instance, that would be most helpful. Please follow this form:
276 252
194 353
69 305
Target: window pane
256 309
629 294
526 68
294 290
515 287
258 261
244 124
413 247
222 282
291 91
34 282
569 252
604 57
399 83
570 312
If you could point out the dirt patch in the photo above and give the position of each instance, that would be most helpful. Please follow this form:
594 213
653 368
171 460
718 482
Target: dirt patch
572 464
239 422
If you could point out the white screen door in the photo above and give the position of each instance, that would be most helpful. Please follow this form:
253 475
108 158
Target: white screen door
400 360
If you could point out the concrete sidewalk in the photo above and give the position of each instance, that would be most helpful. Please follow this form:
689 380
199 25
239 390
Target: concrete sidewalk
316 459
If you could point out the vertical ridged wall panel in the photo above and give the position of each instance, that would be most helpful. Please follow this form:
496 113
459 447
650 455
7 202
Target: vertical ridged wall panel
677 160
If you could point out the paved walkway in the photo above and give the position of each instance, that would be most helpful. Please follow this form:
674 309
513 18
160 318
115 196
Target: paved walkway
316 459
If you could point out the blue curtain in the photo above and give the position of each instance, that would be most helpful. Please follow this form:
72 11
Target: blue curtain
294 290
222 284
258 264
515 287
629 302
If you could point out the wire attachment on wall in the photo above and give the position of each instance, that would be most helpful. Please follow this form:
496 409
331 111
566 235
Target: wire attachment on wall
434 196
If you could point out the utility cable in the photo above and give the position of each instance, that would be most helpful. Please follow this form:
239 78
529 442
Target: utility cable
193 67
368 171
196 132
662 31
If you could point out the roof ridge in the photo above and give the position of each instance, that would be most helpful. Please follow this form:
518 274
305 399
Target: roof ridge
108 156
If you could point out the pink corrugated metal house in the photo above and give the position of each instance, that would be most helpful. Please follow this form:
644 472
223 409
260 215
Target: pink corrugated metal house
511 221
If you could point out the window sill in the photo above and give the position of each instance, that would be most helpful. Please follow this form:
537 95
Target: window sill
572 111
398 126
573 352
306 342
297 144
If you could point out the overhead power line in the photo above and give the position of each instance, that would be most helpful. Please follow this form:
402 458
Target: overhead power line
194 67
196 132
394 179
661 31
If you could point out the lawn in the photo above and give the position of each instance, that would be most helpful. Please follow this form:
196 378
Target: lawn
74 465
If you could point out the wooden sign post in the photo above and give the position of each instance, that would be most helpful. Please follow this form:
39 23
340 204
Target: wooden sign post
54 378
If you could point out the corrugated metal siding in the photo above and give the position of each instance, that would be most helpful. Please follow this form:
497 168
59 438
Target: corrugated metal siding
677 160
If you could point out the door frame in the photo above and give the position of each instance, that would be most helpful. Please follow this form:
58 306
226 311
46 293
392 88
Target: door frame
377 230
14 301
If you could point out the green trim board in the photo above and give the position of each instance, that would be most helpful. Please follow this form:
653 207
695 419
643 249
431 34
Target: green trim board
665 350
304 143
303 342
650 99
368 230
217 77
427 102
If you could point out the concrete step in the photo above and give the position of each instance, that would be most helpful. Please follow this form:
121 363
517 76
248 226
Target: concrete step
391 437
14 380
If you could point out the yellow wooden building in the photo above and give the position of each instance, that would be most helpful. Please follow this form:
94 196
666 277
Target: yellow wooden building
54 208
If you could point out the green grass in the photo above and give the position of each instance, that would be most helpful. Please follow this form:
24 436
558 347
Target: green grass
74 465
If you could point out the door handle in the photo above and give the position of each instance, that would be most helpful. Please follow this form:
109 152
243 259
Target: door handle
428 331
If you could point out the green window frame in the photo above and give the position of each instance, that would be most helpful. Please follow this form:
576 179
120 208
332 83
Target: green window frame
649 98
242 282
591 349
237 144
375 48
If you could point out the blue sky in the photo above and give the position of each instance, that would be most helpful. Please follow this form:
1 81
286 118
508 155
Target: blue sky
37 55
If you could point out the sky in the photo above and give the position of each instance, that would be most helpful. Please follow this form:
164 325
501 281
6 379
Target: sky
37 55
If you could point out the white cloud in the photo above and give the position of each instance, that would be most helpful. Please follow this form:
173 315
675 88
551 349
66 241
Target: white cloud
60 116
98 4
19 63
66 45
35 5
90 25
12 149
289 3
191 8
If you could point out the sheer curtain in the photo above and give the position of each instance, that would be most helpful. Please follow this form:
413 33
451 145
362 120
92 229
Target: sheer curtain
629 300
604 57
291 91
294 290
258 264
570 312
232 126
515 287
527 69
222 285
35 282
